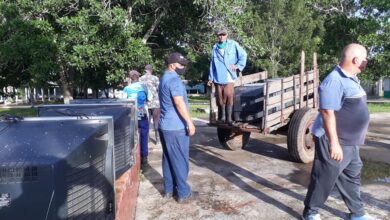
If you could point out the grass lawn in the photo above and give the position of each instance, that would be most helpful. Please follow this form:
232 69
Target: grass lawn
25 112
375 170
378 107
199 99
197 111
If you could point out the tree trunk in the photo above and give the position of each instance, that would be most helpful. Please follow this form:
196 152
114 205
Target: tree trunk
32 95
154 25
66 87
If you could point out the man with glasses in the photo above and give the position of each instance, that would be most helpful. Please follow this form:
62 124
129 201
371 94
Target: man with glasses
338 130
227 59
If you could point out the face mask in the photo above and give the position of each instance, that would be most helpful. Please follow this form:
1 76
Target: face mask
180 71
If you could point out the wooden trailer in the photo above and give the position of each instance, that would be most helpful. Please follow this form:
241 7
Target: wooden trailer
287 102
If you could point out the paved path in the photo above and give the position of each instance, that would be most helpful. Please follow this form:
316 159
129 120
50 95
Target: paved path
257 183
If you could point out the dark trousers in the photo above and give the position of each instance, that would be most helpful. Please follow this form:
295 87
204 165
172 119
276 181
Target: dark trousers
155 114
225 94
143 126
327 173
175 162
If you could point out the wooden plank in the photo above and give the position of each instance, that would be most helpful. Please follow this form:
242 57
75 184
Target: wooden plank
255 77
288 95
301 75
265 107
287 85
213 105
288 111
295 91
282 102
274 86
276 105
271 123
275 115
316 79
274 100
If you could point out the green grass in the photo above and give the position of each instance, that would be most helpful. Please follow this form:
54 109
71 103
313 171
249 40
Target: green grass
196 111
378 107
197 99
372 171
25 112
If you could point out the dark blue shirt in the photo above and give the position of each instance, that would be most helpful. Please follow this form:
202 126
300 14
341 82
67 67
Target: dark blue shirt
171 86
344 95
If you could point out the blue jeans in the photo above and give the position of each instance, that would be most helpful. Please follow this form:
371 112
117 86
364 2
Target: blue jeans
175 161
143 126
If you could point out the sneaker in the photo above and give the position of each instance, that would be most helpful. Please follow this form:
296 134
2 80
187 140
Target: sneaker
188 199
144 160
312 217
364 217
167 195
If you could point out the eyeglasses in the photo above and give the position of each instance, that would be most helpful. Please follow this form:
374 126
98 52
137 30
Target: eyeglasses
221 35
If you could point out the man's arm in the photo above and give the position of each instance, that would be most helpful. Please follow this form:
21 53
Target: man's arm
241 57
329 120
211 72
182 109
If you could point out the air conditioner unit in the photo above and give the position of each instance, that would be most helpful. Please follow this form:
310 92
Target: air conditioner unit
57 168
125 126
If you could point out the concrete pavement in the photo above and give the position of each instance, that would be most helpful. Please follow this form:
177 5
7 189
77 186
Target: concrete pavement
259 182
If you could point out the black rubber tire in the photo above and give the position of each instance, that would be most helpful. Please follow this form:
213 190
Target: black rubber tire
300 141
232 140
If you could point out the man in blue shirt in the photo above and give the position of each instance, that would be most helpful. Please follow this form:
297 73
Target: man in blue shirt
338 131
227 58
136 90
175 127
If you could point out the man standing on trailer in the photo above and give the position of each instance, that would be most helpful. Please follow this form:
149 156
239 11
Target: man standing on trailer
338 131
227 59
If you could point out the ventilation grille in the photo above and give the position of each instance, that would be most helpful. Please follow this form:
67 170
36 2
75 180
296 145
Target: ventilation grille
122 145
18 172
87 191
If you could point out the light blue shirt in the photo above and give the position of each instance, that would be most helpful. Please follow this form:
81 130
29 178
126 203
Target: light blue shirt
137 91
233 54
171 86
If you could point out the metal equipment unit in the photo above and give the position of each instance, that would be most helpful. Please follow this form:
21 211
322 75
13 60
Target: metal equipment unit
125 124
57 168
248 102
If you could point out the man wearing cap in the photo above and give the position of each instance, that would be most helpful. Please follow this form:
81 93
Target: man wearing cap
136 90
175 127
227 59
152 82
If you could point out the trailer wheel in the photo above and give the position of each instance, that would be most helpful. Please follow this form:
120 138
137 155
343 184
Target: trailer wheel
300 141
232 140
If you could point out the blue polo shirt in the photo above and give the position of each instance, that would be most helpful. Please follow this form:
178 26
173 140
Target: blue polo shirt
171 86
344 95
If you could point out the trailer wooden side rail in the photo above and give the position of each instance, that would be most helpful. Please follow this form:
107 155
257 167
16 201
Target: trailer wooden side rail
284 100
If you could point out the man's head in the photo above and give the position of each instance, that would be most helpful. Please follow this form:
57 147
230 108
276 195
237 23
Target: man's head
354 58
149 68
176 62
134 75
222 35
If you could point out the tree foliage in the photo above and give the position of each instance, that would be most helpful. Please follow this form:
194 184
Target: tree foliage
92 44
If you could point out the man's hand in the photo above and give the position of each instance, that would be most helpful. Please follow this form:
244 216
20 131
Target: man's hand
210 83
191 129
233 67
336 153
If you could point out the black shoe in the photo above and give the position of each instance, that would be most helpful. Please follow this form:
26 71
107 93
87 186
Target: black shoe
193 196
144 160
167 195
